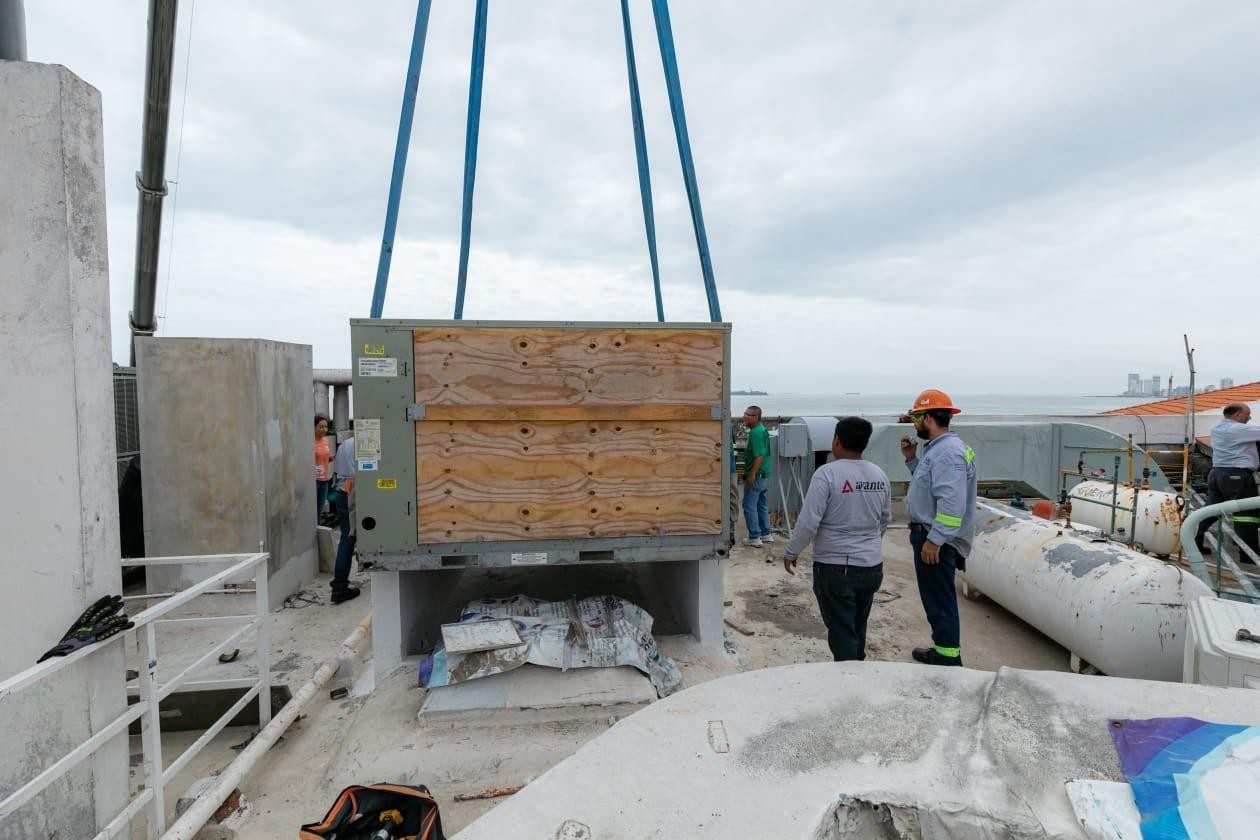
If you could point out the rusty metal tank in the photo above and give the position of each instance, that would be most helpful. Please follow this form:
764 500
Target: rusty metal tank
1122 611
1158 525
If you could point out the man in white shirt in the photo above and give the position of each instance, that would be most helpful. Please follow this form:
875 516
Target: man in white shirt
845 513
1234 463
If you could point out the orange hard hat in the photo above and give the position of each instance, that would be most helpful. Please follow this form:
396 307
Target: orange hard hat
933 399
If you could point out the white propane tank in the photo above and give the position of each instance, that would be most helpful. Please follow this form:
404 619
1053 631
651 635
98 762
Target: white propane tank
1158 528
1117 609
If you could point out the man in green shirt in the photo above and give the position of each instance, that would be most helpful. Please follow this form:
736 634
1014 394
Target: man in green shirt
756 479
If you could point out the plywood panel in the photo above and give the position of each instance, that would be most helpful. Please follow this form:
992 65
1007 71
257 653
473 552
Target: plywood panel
514 413
567 366
561 480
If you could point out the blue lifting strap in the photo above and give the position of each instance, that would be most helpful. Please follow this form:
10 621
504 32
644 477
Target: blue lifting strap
640 152
410 88
470 151
665 35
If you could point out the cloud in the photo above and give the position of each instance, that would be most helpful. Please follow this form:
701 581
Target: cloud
1030 196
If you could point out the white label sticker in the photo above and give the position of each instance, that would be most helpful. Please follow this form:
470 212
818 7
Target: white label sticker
530 558
367 439
378 367
366 465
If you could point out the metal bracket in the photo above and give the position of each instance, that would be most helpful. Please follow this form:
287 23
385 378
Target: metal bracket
717 411
415 412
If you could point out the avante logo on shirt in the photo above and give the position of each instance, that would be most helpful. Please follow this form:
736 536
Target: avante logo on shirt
862 487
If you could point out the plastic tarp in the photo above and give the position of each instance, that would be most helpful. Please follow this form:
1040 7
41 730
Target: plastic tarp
1191 778
598 632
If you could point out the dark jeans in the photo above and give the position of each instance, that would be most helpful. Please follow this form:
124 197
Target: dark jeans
845 595
1226 484
345 548
321 498
936 590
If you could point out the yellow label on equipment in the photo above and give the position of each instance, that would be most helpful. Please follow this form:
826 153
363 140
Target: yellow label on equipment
370 350
386 484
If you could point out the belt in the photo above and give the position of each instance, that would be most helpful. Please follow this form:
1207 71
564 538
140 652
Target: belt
919 527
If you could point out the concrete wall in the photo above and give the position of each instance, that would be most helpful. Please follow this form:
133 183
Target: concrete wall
58 505
226 437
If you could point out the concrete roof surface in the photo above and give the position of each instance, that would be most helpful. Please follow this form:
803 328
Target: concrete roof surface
806 750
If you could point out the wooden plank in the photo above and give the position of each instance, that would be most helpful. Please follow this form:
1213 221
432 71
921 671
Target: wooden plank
567 366
563 480
537 413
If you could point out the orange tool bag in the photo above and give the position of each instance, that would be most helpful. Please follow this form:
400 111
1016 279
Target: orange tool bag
374 812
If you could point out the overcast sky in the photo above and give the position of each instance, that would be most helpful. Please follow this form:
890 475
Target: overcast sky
1028 197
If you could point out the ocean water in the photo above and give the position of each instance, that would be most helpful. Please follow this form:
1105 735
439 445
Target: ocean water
793 405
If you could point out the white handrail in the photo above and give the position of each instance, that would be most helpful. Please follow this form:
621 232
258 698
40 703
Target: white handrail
152 692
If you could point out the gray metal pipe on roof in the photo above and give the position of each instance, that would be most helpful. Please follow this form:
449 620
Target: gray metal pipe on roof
151 179
12 30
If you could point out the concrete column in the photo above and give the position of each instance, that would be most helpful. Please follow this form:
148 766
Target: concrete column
59 514
321 398
387 636
341 410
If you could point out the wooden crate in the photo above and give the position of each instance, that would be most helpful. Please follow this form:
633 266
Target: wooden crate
544 433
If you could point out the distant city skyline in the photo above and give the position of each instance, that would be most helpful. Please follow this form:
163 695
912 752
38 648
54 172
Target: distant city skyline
1154 387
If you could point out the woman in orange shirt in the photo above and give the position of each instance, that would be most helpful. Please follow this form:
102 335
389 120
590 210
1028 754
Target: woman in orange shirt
323 457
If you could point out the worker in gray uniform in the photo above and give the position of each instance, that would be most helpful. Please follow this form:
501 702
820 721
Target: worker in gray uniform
845 514
941 506
1234 463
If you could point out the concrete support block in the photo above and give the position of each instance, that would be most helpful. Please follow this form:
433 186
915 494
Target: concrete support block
409 607
387 640
59 515
321 399
226 438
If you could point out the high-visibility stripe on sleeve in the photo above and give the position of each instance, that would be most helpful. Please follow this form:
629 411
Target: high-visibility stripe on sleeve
949 521
1252 519
971 455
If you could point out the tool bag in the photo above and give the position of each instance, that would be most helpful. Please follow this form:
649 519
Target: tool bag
361 812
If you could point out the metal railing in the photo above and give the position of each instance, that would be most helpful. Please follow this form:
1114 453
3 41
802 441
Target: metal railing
153 692
1189 527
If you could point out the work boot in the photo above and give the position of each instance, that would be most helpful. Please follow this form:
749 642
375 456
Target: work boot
930 656
755 542
347 594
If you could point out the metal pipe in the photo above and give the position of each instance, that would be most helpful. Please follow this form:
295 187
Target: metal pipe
1189 438
12 31
1224 526
151 179
1195 557
232 775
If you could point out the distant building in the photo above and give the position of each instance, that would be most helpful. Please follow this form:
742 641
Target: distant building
1156 389
1227 382
1135 384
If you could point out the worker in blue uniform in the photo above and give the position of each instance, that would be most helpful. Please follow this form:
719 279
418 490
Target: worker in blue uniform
941 506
